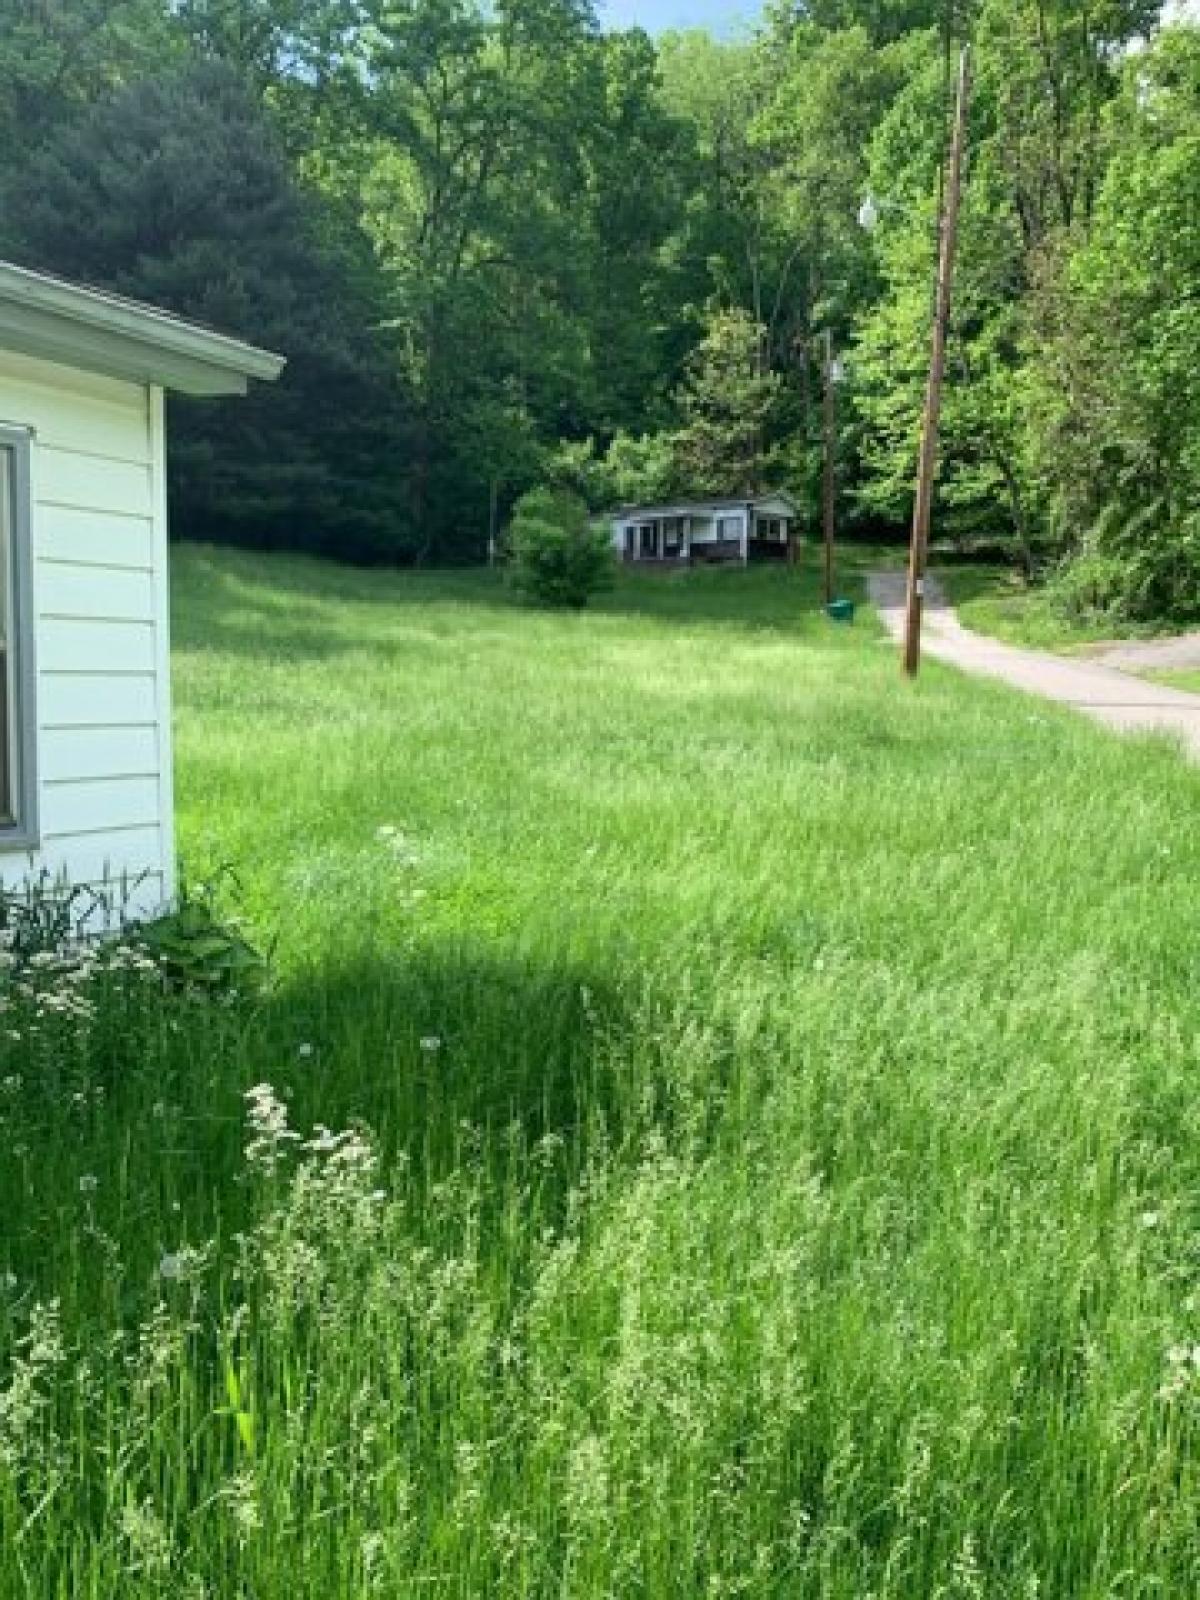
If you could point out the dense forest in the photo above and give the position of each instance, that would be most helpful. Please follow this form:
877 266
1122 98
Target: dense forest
501 246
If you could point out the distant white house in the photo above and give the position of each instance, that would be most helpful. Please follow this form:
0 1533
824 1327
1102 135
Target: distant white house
762 527
85 699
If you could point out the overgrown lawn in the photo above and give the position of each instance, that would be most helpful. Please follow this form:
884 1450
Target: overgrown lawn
766 1141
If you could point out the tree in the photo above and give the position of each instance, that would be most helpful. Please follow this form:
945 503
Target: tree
175 191
884 20
727 403
57 57
1117 398
1044 70
275 41
556 556
473 156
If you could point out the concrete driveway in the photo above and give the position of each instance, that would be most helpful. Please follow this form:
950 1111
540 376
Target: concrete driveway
1097 689
1180 653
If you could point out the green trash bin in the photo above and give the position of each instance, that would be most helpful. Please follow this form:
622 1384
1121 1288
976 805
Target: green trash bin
841 610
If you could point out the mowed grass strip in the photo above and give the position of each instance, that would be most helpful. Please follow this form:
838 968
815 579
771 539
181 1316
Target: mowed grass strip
778 1147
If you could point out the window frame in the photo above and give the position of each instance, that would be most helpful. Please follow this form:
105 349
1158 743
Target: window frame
23 833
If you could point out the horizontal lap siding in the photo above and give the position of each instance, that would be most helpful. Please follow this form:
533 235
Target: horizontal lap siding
90 540
99 601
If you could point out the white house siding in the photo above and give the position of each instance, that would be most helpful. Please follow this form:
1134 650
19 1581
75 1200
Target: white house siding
101 608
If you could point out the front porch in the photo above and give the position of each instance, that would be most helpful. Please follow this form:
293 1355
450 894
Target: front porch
686 538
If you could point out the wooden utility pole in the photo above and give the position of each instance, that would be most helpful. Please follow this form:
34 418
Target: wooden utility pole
926 470
830 468
493 508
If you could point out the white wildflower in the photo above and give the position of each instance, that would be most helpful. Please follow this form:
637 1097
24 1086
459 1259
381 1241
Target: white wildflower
241 1494
431 1044
89 1183
149 1544
267 1116
177 1265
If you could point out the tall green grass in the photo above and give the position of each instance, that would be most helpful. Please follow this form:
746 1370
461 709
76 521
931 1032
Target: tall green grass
1000 601
765 1131
1184 679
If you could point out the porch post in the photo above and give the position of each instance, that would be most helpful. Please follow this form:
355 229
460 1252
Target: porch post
746 536
687 538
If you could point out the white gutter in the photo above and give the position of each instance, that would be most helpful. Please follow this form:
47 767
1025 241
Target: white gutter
46 316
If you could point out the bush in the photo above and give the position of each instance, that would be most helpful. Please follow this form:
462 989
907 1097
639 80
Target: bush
1135 565
196 949
555 554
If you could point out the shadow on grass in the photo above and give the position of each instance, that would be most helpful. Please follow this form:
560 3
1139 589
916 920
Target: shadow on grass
452 1059
421 1045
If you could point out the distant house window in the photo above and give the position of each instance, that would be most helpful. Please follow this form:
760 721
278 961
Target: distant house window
18 792
728 528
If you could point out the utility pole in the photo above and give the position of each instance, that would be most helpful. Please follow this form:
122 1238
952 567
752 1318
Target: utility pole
830 470
927 467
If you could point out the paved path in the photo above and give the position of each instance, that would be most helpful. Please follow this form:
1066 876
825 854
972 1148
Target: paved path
1180 653
1100 691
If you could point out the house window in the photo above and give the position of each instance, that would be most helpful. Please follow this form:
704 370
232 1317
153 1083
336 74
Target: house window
729 528
18 792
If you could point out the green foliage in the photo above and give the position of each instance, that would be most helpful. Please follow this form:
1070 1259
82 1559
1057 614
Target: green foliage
633 470
556 556
1036 160
43 914
197 947
641 469
176 191
274 40
887 20
489 238
1118 407
727 404
58 58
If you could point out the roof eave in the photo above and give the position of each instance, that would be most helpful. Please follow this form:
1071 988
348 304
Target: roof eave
84 328
718 503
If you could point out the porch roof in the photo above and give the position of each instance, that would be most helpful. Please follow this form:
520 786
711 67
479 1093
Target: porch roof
686 508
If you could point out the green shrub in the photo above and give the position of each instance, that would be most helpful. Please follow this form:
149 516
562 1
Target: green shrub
555 555
45 913
1136 564
196 947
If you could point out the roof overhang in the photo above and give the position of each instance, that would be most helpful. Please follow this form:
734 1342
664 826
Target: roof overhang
709 508
58 321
